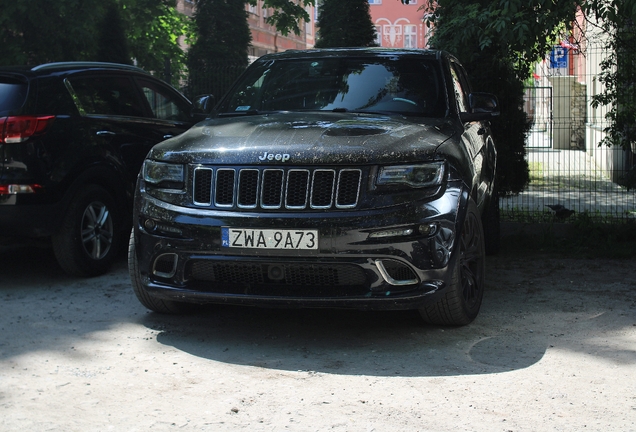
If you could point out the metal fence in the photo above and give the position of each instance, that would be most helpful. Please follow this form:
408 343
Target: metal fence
567 166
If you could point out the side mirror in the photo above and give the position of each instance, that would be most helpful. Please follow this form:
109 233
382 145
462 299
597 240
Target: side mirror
483 106
204 103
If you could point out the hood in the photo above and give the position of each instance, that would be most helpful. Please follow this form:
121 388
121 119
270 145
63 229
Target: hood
306 139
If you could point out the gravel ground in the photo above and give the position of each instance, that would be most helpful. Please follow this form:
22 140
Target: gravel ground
554 349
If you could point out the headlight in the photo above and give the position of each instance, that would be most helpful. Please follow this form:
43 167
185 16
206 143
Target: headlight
163 175
416 176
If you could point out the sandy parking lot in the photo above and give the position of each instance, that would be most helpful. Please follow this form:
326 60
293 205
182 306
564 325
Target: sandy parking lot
554 349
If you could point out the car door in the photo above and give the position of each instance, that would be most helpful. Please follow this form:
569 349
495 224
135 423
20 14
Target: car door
118 127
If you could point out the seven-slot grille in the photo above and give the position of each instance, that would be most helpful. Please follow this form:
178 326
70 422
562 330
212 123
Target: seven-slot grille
275 188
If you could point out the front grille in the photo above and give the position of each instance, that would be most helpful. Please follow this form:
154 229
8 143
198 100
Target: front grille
274 188
292 274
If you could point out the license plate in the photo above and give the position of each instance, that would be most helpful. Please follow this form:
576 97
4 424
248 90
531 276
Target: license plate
269 238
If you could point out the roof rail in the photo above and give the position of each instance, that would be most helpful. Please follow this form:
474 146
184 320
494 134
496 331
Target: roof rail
86 64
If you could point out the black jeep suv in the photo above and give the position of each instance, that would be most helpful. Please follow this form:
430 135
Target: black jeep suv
73 137
357 178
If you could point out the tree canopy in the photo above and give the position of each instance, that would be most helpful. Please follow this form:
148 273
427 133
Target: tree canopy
287 14
112 45
345 24
39 31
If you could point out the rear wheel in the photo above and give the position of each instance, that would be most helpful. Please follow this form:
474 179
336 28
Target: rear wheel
461 303
88 241
152 303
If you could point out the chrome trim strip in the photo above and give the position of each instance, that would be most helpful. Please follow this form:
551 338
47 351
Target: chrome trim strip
238 188
389 279
194 186
304 206
359 171
280 195
313 181
216 184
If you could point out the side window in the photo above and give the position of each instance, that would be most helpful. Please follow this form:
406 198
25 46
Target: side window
163 103
107 95
459 86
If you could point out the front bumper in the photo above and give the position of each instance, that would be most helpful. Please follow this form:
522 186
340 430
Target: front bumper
180 255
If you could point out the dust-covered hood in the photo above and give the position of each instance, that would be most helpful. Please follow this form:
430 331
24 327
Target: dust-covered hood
306 139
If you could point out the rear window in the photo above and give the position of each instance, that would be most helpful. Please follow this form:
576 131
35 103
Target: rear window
12 94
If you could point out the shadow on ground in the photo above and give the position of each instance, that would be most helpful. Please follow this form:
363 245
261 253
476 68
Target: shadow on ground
532 304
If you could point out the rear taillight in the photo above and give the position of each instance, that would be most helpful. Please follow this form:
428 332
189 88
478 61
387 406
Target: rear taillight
17 129
15 189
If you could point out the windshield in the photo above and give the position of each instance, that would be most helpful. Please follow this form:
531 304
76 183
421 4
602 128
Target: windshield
405 85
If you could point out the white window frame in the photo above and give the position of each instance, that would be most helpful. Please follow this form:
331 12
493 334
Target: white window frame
410 35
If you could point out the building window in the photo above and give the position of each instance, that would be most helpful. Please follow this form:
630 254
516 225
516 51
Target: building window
375 1
410 36
378 35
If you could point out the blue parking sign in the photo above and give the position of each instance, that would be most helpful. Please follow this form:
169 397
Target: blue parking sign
559 58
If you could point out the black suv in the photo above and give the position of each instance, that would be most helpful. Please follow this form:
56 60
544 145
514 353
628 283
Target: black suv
358 178
73 137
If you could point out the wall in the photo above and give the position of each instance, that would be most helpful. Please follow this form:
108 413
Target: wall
393 20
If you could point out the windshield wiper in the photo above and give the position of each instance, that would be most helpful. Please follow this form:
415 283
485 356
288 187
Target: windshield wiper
238 113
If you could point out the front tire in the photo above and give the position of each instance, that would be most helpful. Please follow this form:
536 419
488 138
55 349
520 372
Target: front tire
88 241
462 301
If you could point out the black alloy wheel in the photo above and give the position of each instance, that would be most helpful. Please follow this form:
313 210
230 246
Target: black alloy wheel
89 239
462 301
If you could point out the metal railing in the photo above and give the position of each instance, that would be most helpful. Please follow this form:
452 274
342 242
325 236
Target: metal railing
567 166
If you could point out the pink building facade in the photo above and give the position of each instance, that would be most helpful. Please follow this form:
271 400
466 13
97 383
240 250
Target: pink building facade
399 25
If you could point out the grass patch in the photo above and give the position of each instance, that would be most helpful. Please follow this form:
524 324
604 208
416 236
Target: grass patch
536 172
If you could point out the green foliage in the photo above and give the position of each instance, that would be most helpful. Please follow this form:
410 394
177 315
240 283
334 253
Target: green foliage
497 47
286 14
153 29
112 45
345 24
222 40
520 30
40 31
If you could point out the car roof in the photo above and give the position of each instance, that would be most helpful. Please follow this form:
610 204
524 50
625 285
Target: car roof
355 52
53 68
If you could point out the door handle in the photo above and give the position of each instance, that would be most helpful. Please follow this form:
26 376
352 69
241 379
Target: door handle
105 132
